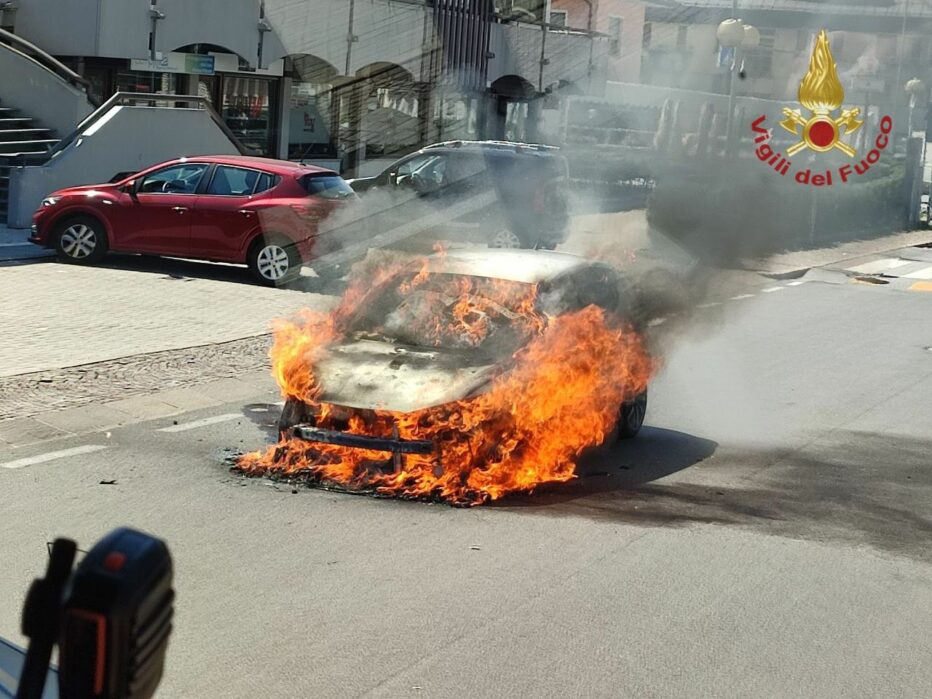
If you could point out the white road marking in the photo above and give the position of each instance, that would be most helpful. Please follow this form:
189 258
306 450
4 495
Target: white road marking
771 289
924 273
201 423
655 322
52 455
882 265
797 282
709 305
739 297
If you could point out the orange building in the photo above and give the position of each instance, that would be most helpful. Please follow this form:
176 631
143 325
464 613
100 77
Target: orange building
622 21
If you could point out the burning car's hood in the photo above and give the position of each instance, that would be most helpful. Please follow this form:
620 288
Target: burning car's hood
373 374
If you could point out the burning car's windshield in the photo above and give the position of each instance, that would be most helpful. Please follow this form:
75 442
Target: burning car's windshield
450 311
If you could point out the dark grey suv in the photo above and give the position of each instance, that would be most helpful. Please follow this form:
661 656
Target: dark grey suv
499 193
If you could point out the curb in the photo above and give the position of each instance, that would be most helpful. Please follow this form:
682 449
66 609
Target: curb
822 257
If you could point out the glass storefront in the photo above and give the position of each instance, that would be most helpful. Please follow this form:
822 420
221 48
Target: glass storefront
144 81
309 121
247 105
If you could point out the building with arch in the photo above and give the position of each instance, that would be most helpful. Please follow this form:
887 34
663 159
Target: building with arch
348 83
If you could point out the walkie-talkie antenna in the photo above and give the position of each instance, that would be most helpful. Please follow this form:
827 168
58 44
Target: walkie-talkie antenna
42 617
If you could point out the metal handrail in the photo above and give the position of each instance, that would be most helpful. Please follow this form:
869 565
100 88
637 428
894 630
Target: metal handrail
50 63
121 98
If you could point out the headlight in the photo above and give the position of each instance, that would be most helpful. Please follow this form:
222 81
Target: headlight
50 201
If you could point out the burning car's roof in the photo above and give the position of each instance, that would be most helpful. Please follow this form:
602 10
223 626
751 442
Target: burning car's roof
524 266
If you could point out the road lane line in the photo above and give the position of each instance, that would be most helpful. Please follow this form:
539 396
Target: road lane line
797 282
201 423
771 289
882 265
924 273
739 297
709 305
52 455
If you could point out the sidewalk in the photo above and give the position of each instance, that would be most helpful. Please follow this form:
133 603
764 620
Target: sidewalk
15 246
57 315
791 264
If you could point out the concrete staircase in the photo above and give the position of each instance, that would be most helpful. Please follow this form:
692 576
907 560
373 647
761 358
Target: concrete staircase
22 142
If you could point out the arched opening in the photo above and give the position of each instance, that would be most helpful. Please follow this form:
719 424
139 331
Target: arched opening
379 109
511 117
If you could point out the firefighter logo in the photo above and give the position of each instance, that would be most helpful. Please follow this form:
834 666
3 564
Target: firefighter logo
821 93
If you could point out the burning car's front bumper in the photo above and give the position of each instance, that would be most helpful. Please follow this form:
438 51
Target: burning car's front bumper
395 445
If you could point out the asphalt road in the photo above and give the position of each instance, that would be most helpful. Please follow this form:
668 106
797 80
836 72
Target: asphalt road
767 535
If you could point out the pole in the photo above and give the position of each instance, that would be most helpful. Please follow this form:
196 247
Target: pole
901 46
543 56
731 87
591 46
350 38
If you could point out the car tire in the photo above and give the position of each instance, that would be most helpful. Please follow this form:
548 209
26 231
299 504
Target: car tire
294 413
329 273
273 260
505 238
81 240
631 416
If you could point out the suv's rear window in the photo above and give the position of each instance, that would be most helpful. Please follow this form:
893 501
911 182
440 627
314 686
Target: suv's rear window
326 186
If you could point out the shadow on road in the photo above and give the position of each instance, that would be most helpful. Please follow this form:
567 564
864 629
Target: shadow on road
857 488
265 417
179 270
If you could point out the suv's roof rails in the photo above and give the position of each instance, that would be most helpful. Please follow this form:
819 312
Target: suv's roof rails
503 145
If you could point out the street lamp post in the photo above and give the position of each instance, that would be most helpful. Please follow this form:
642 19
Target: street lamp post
914 87
915 154
735 34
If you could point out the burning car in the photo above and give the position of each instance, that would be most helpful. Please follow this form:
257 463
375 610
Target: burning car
458 377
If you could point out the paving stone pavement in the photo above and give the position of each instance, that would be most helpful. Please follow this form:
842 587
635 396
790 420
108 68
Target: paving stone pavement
56 315
39 393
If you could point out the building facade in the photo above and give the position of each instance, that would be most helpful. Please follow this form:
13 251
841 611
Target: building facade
877 47
621 23
348 83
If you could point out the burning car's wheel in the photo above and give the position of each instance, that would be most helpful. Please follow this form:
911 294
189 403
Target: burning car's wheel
504 238
293 413
81 239
631 416
273 260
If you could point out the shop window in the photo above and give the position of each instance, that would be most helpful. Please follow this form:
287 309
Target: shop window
309 122
615 25
558 19
245 107
144 81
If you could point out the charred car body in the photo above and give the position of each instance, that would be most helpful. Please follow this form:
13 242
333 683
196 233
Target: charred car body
445 350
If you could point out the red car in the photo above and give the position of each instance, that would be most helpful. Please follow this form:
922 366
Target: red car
257 211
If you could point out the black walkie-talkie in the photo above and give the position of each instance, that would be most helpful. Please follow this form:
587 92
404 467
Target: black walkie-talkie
112 619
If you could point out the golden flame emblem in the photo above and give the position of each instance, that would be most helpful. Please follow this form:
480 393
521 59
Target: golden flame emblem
821 93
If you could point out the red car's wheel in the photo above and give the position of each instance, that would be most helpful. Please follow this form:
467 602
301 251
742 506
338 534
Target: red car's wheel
273 260
81 240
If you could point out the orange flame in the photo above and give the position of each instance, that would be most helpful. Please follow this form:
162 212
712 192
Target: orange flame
561 396
820 89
